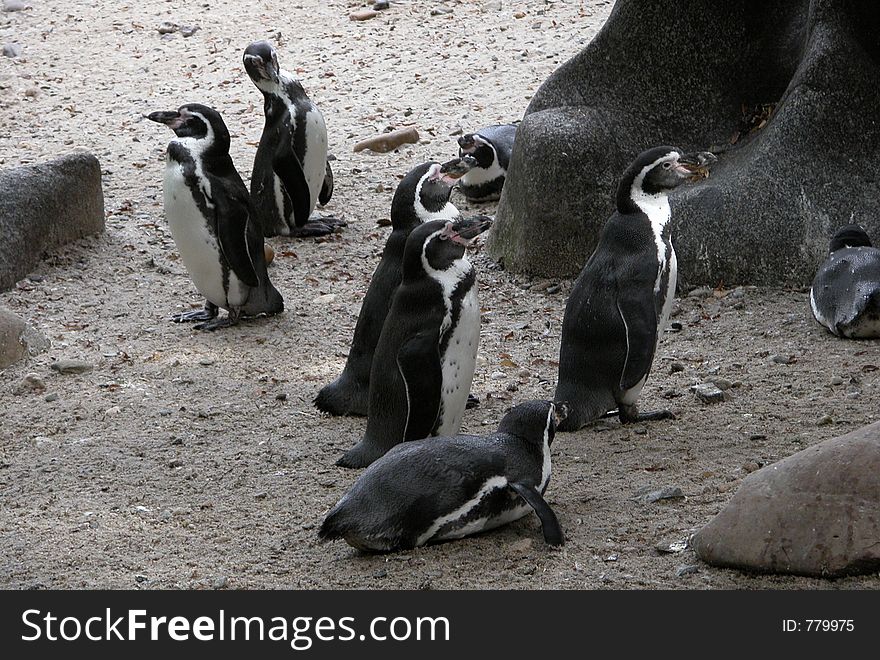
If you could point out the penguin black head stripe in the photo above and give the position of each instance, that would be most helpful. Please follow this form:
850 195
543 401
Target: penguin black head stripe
261 62
198 122
426 190
443 244
849 236
654 172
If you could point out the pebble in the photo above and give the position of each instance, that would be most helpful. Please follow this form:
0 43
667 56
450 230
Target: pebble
497 375
439 11
708 393
379 5
700 292
554 288
281 396
51 397
30 383
64 366
14 5
11 50
722 383
220 582
671 546
167 27
175 463
381 573
326 299
110 412
676 367
668 493
782 359
262 495
687 569
206 361
493 5
189 30
837 380
362 15
825 420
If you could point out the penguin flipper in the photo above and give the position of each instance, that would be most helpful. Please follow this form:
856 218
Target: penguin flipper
289 170
639 317
326 187
549 522
234 234
418 361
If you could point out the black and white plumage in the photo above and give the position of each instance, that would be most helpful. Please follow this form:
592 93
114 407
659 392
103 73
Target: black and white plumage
490 149
425 357
621 301
445 488
845 295
422 196
209 212
291 172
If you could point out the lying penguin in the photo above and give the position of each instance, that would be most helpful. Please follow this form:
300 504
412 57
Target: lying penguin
620 302
425 357
209 212
422 196
845 295
291 171
444 488
486 156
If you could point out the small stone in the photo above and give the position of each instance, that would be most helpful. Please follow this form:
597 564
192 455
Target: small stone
110 412
14 5
188 30
165 412
687 569
261 495
220 582
281 396
379 5
64 366
782 359
670 546
362 15
837 380
439 11
140 579
554 288
668 493
825 420
326 299
676 367
51 397
512 387
612 557
722 384
175 463
700 292
168 27
206 361
708 393
11 50
31 383
497 375
381 573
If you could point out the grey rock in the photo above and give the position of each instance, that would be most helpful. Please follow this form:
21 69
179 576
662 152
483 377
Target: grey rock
649 495
671 546
675 367
220 582
816 512
44 206
818 61
65 366
14 5
17 339
31 383
53 396
687 569
708 393
379 5
781 359
11 50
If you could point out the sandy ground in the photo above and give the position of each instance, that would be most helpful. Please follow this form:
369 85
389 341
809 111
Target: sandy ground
191 460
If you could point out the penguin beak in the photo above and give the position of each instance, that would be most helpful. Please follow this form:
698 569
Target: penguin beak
465 230
171 118
696 166
457 167
439 175
466 143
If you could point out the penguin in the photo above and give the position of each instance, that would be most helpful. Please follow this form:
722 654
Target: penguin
425 357
209 211
291 171
621 300
422 196
444 488
845 295
491 148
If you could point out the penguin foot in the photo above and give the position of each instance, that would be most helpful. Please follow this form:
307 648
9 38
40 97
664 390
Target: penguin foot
630 414
318 226
206 314
360 456
217 323
472 402
343 397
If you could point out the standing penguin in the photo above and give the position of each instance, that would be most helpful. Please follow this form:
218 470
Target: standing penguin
291 171
490 149
422 196
211 220
620 302
845 296
424 361
438 489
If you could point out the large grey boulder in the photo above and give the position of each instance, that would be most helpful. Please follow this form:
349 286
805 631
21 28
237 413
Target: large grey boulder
685 74
18 339
44 206
814 513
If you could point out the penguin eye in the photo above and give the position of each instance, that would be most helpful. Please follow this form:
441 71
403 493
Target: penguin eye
667 165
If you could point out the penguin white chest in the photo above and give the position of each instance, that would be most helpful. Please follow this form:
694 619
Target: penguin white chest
458 363
315 158
197 246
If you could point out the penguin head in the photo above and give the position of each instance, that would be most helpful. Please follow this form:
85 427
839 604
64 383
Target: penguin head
196 121
422 196
478 148
533 420
439 245
261 62
659 170
849 236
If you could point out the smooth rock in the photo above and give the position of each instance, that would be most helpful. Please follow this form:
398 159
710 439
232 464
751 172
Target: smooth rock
362 15
64 366
45 206
11 50
816 513
31 383
708 393
14 5
379 5
18 339
649 496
